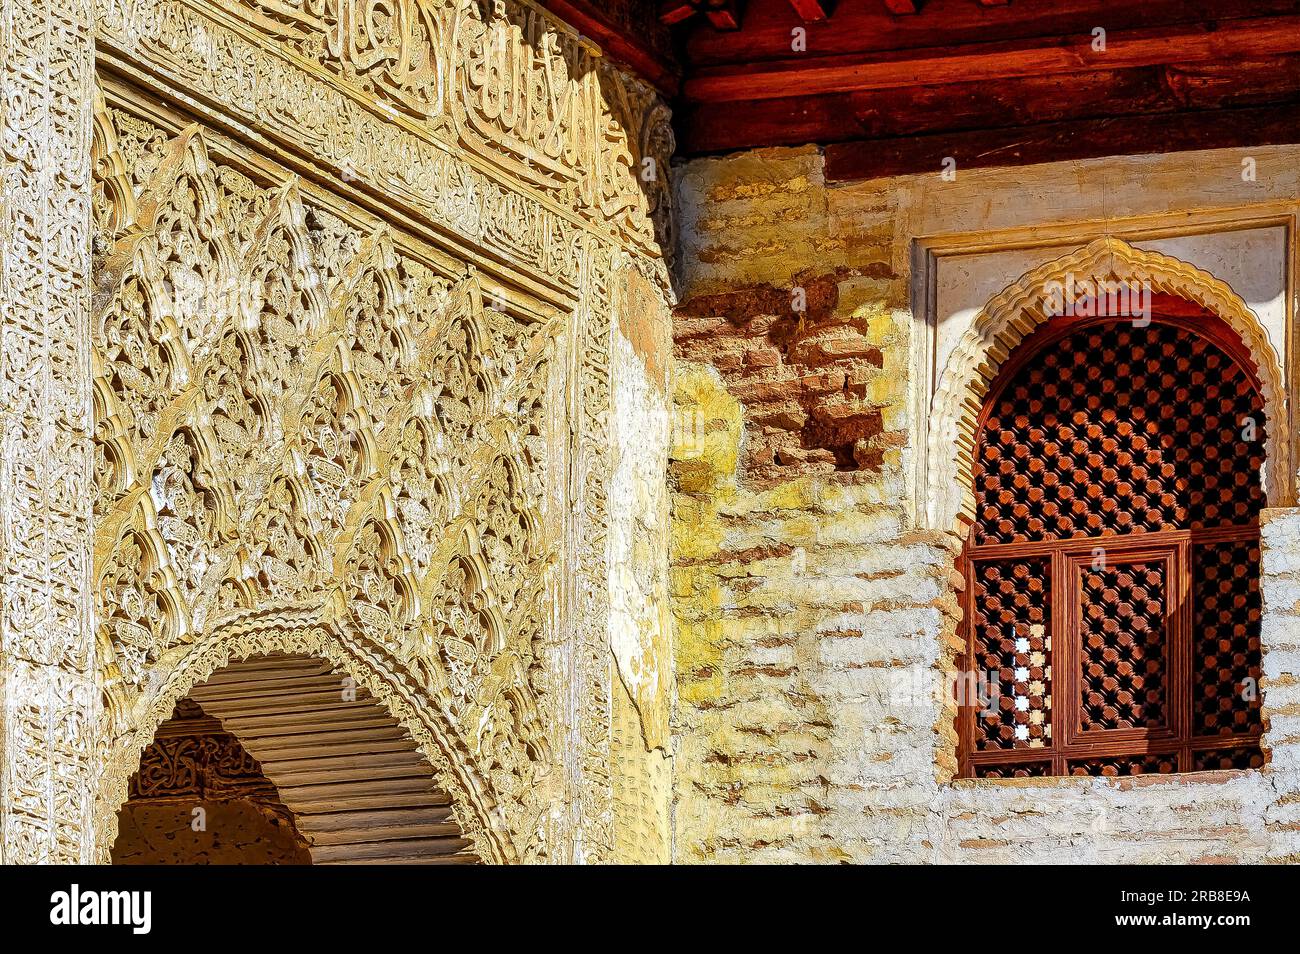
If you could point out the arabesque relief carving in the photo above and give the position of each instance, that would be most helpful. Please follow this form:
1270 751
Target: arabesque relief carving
360 444
418 84
310 433
48 696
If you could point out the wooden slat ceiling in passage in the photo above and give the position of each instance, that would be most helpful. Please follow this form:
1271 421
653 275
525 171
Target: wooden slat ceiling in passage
359 788
895 86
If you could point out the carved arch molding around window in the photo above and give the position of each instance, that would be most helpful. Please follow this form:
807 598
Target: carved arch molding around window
1116 474
1016 311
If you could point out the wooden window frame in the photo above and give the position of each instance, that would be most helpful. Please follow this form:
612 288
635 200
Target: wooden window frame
1066 745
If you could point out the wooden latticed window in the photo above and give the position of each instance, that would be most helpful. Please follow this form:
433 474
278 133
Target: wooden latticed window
1112 611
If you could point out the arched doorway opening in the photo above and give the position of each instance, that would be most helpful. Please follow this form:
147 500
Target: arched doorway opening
200 798
283 759
1112 617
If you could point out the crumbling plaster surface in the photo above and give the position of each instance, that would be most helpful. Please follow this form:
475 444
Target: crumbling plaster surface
637 557
813 615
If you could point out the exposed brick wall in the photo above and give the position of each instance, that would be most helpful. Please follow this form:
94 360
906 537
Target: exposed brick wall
809 368
814 621
800 594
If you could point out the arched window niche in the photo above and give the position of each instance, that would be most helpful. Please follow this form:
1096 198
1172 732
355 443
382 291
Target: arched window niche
1112 470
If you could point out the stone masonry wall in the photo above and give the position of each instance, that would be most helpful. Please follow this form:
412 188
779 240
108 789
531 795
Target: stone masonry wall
813 619
800 592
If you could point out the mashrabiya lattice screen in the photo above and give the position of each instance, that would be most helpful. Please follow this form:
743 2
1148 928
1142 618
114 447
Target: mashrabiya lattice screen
1113 568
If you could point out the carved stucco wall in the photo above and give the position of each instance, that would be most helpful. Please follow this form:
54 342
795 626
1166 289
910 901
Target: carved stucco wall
47 660
357 354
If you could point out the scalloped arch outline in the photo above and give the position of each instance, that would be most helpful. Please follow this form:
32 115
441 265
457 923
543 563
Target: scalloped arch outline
300 633
1012 314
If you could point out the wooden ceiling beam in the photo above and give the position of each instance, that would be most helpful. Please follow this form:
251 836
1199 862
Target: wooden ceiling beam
811 11
1062 141
865 26
1123 96
983 62
653 62
723 14
675 11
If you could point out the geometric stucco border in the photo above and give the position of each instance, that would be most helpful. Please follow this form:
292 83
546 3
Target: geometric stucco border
48 696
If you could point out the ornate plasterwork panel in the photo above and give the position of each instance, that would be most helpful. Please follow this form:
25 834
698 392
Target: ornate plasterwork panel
486 116
310 434
300 426
47 660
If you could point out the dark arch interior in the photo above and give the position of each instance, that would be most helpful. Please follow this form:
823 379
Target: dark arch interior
283 759
200 798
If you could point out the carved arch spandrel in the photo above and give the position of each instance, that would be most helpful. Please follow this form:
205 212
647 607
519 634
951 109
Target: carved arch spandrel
374 324
470 511
256 537
140 607
451 543
333 437
144 371
282 560
115 202
473 633
422 425
285 306
377 581
195 514
422 484
115 463
234 407
191 255
1016 311
460 385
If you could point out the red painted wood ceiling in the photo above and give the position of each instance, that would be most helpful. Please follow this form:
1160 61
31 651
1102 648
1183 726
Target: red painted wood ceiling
894 86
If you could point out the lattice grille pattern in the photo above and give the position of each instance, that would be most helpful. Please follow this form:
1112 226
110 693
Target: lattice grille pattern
1226 636
1245 757
1127 765
1123 642
1119 429
1011 622
1115 429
